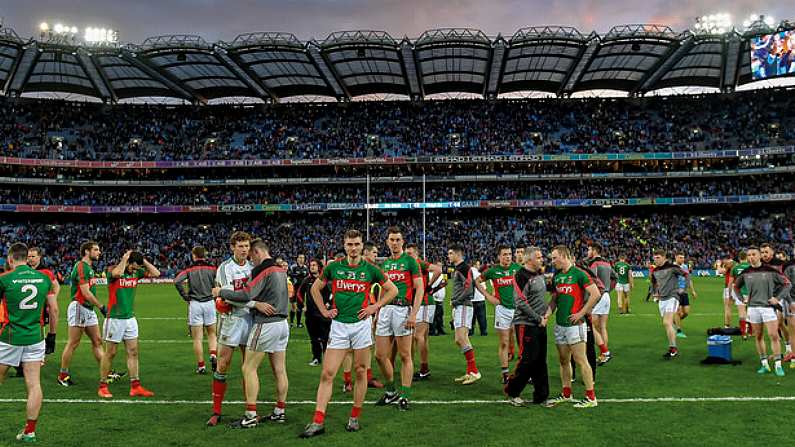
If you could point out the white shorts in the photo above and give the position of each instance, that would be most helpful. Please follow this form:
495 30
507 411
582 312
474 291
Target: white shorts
571 335
759 315
12 355
622 288
738 301
392 321
117 329
357 335
503 317
462 317
79 316
426 314
668 306
234 329
269 337
603 305
201 313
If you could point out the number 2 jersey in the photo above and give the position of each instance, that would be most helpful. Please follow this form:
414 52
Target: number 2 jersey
23 294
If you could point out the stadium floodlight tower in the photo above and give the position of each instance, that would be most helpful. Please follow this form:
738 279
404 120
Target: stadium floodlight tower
100 36
759 24
58 33
713 24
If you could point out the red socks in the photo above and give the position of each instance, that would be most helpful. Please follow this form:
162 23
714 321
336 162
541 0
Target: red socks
355 412
319 417
743 327
281 404
219 389
590 394
566 392
347 376
603 348
135 383
213 353
30 426
369 374
471 366
201 364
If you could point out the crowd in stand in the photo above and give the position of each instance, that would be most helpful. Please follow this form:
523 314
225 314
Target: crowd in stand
704 237
406 192
65 130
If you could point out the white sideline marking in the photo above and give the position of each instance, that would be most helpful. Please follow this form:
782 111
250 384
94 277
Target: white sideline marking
414 402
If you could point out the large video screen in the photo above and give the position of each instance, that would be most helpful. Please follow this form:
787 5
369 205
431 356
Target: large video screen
773 55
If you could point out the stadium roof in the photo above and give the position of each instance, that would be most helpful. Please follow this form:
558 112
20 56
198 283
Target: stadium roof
271 66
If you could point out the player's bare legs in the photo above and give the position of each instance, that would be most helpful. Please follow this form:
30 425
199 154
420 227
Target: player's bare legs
32 372
104 369
502 351
727 311
74 335
406 364
331 364
347 370
775 344
600 337
279 368
96 342
564 358
72 342
361 361
462 340
791 323
383 354
249 370
421 342
197 335
670 331
742 314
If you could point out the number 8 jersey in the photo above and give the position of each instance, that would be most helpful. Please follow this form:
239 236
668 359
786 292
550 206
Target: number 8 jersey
23 294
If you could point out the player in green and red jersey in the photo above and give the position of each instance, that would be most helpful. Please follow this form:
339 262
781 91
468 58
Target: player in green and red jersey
396 321
351 280
81 315
430 274
574 296
23 294
501 277
742 309
121 324
51 312
624 284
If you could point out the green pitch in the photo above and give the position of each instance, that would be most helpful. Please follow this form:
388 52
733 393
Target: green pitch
439 417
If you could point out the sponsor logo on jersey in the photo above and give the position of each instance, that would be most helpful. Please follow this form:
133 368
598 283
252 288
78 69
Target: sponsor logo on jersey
398 276
344 285
504 281
566 289
127 283
239 284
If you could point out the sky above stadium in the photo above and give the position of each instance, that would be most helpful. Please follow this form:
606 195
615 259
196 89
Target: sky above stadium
224 19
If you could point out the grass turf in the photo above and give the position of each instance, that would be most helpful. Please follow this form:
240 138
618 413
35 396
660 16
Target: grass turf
637 371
